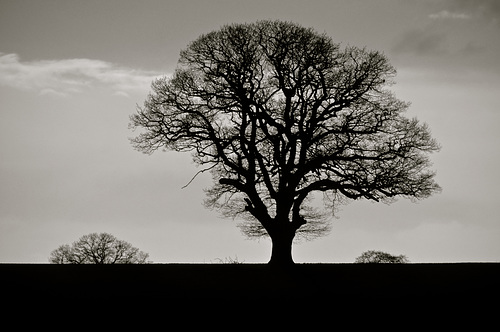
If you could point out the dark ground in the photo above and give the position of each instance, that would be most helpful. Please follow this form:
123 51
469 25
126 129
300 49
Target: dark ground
305 292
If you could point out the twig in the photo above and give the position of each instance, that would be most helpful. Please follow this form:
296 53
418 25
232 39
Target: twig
197 173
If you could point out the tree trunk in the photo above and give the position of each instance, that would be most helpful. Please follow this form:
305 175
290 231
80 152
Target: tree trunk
281 254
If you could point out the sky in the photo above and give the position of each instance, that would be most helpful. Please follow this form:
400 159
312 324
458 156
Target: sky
72 72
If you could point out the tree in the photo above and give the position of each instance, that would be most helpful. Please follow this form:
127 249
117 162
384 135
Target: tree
373 256
279 114
96 248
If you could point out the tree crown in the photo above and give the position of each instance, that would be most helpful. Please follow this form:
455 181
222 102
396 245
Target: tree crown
277 113
96 248
374 256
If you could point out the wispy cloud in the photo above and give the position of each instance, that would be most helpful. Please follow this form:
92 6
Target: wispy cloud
487 11
421 42
444 14
68 76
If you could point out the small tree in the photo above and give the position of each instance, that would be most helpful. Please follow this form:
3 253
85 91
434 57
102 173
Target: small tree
96 248
373 256
279 114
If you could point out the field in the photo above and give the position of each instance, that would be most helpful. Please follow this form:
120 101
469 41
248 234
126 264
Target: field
254 289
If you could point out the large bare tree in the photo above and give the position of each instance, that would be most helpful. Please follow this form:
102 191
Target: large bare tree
279 113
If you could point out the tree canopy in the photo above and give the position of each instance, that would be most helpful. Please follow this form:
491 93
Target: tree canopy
96 248
279 113
374 256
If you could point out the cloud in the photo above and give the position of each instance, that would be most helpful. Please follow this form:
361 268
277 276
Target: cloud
51 92
69 76
421 42
487 11
464 30
444 14
121 94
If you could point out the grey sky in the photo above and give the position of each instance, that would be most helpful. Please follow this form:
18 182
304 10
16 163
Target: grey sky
71 72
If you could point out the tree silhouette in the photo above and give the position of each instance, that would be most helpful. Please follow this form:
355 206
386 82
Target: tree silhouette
279 113
96 248
373 256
